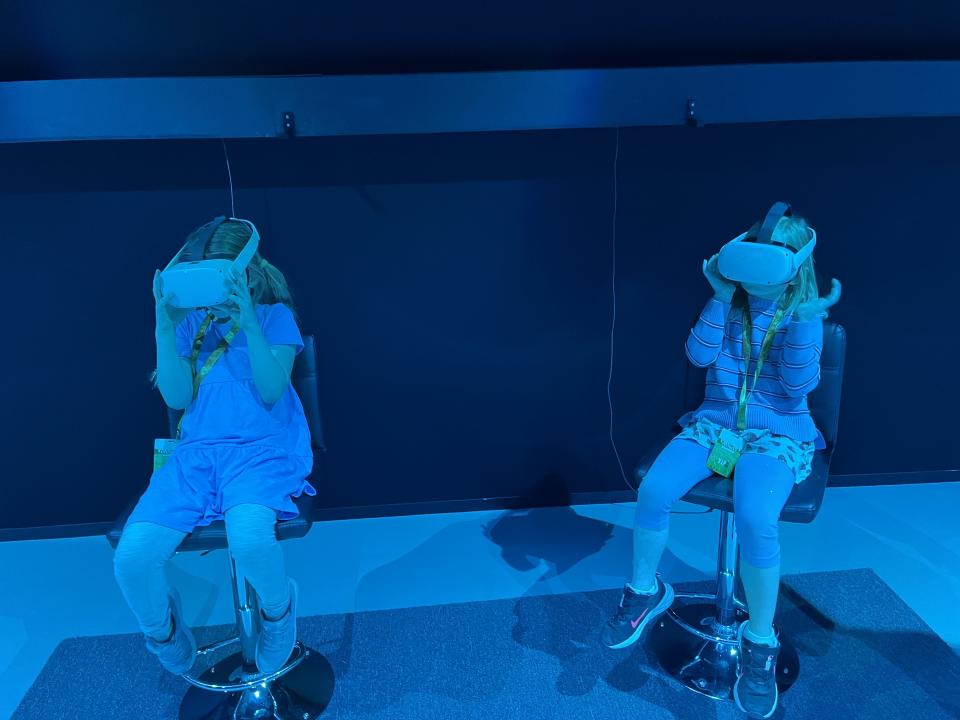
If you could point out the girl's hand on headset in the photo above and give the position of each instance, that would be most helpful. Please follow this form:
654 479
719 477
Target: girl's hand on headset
239 303
168 316
817 308
723 288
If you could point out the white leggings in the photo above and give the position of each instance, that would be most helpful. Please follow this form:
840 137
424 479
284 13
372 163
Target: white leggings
145 548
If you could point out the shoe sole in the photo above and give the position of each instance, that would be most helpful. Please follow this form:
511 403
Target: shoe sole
661 607
736 686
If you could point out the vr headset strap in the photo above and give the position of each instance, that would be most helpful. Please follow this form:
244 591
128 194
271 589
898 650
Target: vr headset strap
193 250
778 211
250 249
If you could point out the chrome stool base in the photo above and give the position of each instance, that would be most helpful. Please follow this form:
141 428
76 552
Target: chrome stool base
301 690
700 653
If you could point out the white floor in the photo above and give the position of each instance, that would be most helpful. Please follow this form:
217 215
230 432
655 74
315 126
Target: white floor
54 589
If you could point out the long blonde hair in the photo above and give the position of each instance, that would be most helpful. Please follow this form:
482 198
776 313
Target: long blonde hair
267 284
793 232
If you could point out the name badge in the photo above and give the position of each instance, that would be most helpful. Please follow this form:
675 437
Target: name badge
725 454
162 450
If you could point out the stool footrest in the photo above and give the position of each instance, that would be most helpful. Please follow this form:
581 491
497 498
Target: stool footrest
227 675
217 645
737 602
674 612
707 662
301 690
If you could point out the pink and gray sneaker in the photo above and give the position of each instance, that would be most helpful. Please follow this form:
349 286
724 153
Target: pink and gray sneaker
634 615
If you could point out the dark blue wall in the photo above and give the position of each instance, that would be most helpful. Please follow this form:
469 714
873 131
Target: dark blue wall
459 288
66 39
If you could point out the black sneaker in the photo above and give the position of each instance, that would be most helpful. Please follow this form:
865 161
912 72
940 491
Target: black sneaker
756 690
634 614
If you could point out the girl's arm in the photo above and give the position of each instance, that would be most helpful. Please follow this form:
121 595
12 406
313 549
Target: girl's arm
800 361
706 337
271 365
174 374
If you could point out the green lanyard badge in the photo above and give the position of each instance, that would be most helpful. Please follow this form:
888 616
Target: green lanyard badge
747 344
210 361
729 447
163 448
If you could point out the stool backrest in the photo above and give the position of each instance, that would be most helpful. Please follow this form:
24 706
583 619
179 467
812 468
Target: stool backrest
303 377
824 401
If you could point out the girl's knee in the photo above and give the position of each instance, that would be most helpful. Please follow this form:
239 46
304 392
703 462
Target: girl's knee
656 491
762 557
250 528
652 512
759 538
250 515
125 564
678 468
134 555
756 523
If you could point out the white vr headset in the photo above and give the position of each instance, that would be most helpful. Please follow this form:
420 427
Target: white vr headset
761 261
195 282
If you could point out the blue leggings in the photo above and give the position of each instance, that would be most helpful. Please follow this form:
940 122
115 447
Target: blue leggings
145 548
761 488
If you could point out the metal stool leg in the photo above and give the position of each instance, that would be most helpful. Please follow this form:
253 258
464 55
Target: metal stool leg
696 643
233 689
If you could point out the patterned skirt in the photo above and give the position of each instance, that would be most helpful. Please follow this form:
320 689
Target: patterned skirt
798 456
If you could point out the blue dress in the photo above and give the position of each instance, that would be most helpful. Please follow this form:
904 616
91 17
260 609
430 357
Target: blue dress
234 448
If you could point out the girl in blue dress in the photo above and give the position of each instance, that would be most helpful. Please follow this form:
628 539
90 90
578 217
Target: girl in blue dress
244 452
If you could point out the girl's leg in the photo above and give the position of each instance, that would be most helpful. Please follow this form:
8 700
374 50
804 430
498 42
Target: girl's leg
762 486
681 465
251 535
138 565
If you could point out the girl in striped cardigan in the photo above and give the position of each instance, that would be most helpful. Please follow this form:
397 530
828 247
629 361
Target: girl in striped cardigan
784 333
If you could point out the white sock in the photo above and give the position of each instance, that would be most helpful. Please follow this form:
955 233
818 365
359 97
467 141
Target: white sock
650 591
274 616
770 639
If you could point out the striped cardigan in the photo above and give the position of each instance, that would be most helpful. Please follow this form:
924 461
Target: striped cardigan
791 370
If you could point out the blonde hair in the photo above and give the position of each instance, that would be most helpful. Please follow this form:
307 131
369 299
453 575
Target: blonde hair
267 284
795 233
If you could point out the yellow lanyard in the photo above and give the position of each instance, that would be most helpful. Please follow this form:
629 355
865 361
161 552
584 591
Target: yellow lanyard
210 361
747 345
